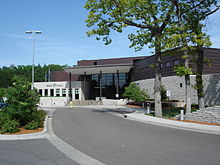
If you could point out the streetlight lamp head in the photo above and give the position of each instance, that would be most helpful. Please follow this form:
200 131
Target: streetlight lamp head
28 32
38 32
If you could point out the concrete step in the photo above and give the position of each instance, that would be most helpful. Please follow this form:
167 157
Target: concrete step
84 102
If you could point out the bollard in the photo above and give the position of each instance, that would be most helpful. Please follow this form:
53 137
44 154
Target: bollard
148 108
181 114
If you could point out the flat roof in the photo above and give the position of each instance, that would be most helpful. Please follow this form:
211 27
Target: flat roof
95 69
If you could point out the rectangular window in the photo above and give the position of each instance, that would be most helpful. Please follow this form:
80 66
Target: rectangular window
64 92
76 91
168 63
95 63
77 94
45 92
52 92
40 92
57 92
176 62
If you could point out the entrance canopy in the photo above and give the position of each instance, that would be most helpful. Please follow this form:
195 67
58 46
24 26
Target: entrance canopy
95 69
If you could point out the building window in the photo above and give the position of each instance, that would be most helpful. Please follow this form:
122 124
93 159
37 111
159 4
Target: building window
176 62
40 92
77 94
95 63
64 92
57 92
181 85
45 92
76 91
168 64
52 92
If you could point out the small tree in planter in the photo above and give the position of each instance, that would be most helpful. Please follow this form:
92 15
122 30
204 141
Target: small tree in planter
22 101
163 94
133 92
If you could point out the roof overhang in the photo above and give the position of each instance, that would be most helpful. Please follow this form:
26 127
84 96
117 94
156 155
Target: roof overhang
95 69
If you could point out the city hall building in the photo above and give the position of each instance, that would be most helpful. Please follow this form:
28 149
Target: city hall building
107 79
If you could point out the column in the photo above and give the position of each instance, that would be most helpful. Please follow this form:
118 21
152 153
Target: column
100 85
117 84
84 86
70 88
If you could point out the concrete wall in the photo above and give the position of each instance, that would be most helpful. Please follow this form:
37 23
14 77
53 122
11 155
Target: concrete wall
114 102
61 100
176 86
53 101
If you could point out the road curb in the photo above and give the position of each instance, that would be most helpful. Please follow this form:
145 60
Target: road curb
175 124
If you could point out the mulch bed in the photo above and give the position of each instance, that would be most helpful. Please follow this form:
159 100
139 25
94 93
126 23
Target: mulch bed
24 131
134 106
198 122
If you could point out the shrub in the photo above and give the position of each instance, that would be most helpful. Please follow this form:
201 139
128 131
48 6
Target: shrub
2 92
11 126
39 117
22 101
163 93
32 125
134 93
3 118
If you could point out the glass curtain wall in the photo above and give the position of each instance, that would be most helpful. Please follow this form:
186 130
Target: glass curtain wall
109 85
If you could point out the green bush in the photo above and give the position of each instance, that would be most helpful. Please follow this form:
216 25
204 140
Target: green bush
134 93
39 117
32 125
163 93
11 126
2 92
22 101
3 118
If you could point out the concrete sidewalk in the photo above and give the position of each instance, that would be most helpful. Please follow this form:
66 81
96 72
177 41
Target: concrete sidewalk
140 116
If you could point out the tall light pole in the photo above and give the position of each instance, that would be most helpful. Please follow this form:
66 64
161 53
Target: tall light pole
33 32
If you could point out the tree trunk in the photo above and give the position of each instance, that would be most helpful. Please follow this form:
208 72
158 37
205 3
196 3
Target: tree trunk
199 81
187 86
157 82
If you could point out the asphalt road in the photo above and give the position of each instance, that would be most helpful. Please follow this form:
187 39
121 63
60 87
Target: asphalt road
117 141
31 152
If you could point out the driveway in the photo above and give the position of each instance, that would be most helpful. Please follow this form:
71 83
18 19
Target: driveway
117 141
31 152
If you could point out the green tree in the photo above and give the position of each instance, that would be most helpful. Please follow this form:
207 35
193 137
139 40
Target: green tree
7 73
2 92
151 19
22 101
186 30
134 93
200 40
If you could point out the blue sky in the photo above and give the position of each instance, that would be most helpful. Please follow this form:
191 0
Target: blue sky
64 39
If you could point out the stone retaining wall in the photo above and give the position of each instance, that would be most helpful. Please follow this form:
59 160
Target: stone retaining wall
176 86
208 115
